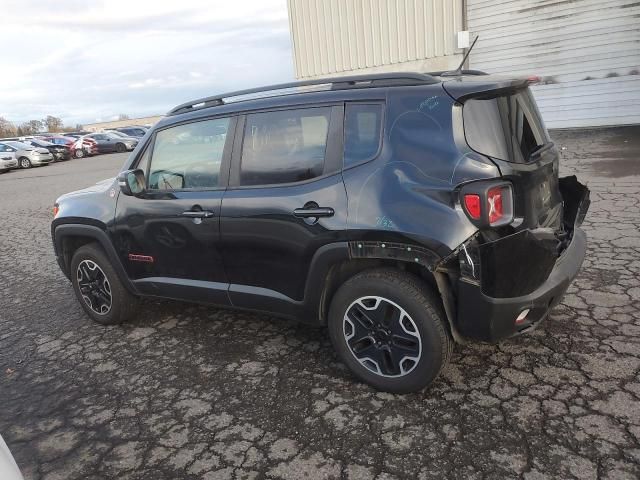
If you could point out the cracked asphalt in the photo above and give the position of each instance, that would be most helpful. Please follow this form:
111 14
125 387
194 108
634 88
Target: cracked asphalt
194 392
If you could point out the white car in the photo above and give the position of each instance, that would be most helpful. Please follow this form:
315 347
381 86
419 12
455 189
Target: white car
8 161
8 467
27 155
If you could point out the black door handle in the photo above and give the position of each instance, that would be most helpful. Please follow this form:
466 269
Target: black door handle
198 214
316 212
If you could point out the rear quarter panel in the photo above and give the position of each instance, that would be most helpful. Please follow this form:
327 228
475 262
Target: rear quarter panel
407 193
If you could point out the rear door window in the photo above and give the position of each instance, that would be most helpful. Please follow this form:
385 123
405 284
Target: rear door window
284 146
507 127
362 130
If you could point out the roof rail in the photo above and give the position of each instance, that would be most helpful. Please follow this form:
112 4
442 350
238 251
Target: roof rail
462 72
335 83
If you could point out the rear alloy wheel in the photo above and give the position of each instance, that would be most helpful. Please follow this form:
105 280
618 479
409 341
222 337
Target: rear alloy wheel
388 327
25 162
79 153
98 287
120 147
382 336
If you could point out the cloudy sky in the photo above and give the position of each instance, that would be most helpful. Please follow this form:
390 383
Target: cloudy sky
90 60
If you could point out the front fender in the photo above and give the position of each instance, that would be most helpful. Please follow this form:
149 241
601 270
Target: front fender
61 231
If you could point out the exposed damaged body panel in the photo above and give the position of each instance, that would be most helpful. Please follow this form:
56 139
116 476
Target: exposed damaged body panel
526 270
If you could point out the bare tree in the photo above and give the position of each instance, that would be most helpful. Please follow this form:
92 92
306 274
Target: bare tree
35 126
53 124
7 129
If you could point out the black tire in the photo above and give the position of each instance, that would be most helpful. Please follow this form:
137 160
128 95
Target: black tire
423 319
24 162
122 304
121 147
79 153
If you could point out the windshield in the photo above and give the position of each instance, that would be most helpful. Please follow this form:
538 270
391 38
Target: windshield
19 145
508 127
115 134
40 143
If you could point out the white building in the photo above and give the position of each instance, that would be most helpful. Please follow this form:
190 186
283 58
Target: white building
587 51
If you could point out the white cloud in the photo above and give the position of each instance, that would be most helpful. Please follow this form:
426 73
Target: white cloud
85 61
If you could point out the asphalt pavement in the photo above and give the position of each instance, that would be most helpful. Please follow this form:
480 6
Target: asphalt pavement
192 392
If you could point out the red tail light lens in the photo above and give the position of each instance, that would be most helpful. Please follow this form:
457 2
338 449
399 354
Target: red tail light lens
472 202
494 204
488 203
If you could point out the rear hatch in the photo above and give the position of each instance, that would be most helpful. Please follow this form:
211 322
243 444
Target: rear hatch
501 121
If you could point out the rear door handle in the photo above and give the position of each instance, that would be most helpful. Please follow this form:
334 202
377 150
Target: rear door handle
198 214
313 212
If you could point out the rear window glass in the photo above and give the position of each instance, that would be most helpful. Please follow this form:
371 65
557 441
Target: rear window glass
362 132
507 127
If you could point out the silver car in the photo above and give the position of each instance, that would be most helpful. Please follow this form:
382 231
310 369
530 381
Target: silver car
7 161
27 155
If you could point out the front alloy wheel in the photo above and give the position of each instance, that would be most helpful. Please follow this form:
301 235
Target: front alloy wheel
25 162
94 287
382 336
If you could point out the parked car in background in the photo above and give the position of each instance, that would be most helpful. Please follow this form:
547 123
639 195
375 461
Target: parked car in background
84 147
76 134
137 132
58 139
8 161
110 142
27 155
59 152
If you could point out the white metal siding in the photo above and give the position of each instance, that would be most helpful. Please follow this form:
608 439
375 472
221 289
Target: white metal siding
588 51
336 36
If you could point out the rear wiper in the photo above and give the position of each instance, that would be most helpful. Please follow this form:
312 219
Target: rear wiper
537 152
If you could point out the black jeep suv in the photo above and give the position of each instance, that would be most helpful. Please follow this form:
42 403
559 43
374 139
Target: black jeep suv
405 212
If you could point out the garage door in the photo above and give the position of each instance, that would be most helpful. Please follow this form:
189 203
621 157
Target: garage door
587 51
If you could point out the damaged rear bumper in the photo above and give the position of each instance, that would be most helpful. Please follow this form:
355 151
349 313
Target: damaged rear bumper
522 275
491 319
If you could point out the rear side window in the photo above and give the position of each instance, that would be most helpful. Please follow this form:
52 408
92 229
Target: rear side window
188 156
507 127
284 146
362 128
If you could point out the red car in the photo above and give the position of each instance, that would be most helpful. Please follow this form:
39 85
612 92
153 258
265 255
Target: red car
79 147
84 147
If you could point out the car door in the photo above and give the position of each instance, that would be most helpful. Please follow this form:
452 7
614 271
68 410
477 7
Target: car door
286 199
168 237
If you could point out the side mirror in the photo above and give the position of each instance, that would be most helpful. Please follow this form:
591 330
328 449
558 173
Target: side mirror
132 182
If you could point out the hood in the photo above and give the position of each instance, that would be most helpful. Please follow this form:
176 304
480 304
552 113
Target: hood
103 186
40 150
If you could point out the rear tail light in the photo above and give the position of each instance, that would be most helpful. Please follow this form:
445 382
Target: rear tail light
494 202
488 204
472 202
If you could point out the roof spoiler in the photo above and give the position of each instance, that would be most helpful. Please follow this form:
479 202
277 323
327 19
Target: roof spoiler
483 87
